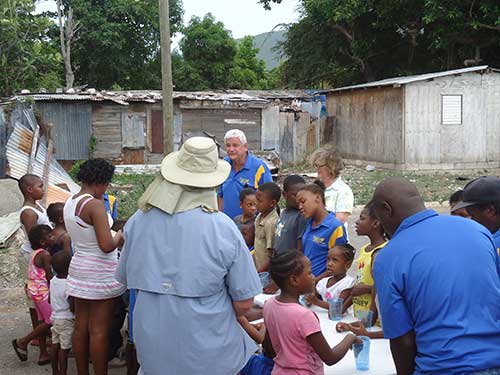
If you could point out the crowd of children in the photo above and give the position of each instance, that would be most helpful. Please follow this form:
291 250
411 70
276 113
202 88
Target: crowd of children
304 248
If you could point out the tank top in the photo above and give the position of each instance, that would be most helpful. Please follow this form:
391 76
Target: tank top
42 218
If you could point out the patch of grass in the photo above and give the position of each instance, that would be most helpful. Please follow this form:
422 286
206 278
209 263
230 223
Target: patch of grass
128 188
434 187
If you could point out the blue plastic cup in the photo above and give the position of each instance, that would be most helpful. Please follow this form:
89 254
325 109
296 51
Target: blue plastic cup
335 308
365 316
265 279
362 354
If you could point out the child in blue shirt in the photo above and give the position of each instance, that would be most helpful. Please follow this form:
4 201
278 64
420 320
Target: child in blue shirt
323 230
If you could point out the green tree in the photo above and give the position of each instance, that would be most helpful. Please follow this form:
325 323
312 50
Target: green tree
208 52
119 42
28 60
338 42
249 72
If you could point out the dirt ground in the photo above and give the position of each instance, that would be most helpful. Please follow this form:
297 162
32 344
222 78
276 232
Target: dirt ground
14 322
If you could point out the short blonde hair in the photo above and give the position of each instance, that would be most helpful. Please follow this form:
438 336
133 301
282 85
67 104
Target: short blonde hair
329 157
236 133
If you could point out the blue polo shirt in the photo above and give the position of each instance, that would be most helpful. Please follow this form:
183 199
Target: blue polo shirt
440 277
496 239
317 241
253 174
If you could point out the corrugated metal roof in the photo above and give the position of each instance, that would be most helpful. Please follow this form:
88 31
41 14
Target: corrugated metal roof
397 81
18 156
152 96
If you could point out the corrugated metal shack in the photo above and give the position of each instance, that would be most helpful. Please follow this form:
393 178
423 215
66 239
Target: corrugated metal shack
438 121
127 127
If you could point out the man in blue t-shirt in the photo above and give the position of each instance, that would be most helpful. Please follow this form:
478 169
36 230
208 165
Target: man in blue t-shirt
481 199
438 283
246 171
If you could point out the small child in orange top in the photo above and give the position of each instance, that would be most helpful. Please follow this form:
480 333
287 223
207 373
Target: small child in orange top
39 275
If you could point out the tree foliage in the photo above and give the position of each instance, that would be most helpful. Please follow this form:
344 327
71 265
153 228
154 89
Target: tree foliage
208 52
249 72
119 42
339 42
28 60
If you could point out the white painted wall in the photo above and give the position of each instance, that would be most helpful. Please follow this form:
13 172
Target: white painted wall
474 143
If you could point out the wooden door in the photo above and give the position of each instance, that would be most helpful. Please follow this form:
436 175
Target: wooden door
156 132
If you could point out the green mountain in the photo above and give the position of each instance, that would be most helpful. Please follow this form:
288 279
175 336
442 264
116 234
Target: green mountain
266 44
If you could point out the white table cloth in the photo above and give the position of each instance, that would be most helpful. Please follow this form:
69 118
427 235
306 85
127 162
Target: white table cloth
381 362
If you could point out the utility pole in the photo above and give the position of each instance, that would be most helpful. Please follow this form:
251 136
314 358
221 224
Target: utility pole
166 79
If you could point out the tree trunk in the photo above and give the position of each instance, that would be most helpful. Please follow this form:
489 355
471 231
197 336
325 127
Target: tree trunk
66 33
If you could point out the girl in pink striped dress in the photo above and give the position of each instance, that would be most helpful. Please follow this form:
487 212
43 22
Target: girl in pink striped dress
39 275
91 277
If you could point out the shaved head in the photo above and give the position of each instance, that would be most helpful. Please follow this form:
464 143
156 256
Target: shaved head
26 181
394 200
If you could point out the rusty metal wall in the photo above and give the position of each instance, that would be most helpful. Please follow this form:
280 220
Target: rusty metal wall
368 124
72 127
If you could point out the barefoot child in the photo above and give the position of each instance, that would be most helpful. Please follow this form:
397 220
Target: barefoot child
323 230
294 330
367 225
39 275
248 204
62 240
268 197
63 320
339 260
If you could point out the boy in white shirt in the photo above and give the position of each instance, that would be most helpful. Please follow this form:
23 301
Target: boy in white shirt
63 319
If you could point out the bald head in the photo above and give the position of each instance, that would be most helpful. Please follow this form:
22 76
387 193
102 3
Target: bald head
394 200
27 181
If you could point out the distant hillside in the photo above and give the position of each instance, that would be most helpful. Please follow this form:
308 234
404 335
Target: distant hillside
265 43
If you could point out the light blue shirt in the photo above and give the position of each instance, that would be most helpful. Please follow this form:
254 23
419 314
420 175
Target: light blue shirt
439 276
188 268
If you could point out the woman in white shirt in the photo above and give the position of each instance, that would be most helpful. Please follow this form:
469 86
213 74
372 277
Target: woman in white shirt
339 198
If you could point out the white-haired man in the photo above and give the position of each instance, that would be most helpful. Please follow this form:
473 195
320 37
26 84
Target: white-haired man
246 171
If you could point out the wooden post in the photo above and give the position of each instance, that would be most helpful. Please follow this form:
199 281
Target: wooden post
166 79
46 164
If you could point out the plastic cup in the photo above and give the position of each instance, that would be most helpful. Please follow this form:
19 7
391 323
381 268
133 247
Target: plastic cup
335 308
362 354
265 279
366 316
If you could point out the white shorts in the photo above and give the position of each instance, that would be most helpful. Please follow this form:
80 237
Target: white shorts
62 332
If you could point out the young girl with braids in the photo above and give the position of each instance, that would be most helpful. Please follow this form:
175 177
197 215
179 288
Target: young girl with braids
293 330
339 260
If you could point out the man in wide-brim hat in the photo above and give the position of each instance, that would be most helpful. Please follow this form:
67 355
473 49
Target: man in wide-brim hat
192 269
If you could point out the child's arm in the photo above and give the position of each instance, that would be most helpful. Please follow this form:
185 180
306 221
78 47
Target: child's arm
29 219
312 299
347 303
360 289
359 329
331 355
66 242
256 334
42 260
265 266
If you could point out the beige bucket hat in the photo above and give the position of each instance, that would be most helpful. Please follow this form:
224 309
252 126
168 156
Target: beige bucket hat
196 164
